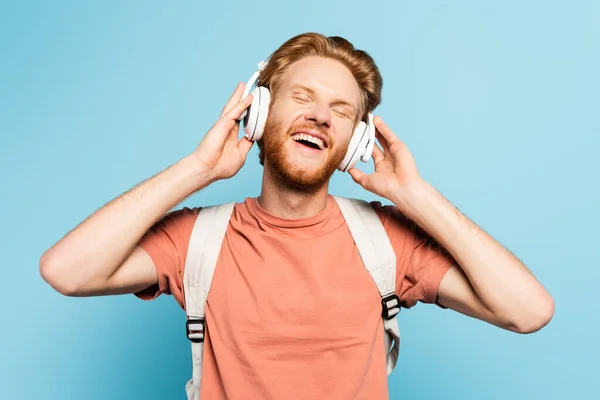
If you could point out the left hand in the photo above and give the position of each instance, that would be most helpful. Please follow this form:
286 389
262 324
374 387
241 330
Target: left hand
395 167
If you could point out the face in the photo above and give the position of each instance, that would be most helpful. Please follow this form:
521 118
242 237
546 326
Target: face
310 122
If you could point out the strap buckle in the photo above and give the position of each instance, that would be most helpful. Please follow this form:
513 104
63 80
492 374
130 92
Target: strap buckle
391 306
194 329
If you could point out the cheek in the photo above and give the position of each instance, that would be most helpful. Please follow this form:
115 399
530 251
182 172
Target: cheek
278 117
286 112
345 131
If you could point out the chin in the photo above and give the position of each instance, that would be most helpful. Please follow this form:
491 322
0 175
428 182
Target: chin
297 167
302 175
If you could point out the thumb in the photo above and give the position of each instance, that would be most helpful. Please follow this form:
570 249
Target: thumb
358 176
244 146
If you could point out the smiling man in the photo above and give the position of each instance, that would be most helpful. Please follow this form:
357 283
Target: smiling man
315 109
292 312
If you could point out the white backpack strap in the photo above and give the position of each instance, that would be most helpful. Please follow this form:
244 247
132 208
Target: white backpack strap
203 251
379 258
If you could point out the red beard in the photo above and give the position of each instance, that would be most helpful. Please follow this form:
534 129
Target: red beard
288 174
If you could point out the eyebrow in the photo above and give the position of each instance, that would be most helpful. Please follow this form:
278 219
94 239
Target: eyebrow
337 101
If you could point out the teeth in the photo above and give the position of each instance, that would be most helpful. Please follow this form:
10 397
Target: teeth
308 138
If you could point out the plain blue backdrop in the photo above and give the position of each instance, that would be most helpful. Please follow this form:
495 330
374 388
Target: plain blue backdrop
498 101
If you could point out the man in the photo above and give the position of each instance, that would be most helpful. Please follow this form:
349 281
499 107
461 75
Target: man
292 312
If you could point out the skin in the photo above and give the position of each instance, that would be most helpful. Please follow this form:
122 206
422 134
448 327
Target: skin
101 255
296 179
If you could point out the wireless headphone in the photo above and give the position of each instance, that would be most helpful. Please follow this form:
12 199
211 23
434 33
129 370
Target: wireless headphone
254 119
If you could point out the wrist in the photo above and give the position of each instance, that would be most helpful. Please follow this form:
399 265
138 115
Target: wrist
428 208
411 199
195 172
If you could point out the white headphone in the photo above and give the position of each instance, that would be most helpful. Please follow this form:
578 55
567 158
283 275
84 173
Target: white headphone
254 119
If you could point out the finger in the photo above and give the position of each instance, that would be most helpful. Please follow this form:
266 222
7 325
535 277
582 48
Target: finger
357 175
244 146
389 136
234 132
377 154
235 97
233 100
234 112
382 141
225 127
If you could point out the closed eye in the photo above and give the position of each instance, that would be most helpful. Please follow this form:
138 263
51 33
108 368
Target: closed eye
302 98
342 112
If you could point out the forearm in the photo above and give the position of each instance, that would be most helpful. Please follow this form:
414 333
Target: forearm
96 248
503 284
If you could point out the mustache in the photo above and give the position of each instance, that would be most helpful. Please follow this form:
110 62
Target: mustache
307 126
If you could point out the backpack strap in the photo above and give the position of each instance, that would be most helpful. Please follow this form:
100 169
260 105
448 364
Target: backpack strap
379 258
202 254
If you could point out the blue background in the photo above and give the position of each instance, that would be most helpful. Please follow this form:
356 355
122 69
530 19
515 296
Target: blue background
498 101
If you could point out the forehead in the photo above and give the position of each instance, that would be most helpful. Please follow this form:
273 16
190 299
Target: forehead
325 76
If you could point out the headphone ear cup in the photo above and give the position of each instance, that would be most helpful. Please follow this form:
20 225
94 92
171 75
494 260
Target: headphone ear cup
370 139
256 115
356 147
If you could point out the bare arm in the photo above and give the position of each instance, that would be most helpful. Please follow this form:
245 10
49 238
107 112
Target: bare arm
101 256
86 259
489 283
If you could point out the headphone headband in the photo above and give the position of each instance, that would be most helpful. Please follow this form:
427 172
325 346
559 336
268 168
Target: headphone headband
254 78
251 83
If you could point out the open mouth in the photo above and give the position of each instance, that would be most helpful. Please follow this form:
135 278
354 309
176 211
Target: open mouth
309 141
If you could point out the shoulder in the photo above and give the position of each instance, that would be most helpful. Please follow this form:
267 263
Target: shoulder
171 232
182 214
180 222
400 229
397 225
181 219
391 217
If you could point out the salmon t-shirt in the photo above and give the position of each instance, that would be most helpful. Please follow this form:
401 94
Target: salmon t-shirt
292 312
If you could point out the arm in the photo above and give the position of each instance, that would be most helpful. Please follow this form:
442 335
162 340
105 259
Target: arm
101 256
488 282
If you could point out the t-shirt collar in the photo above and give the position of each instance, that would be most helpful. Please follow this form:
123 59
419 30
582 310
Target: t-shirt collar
271 219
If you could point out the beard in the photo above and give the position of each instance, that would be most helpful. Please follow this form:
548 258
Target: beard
285 172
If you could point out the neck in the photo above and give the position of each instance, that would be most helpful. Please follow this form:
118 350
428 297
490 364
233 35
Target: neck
285 201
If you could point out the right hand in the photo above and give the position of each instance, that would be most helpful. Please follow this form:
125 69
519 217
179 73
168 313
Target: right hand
220 153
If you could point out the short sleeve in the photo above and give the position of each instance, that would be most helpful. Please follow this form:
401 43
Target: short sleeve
421 262
166 243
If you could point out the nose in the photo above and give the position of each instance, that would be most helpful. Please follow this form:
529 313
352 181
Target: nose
319 114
